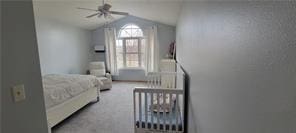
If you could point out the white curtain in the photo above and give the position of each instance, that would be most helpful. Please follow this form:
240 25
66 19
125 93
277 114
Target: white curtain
152 49
110 44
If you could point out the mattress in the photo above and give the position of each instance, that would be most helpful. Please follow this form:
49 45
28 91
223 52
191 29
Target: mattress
152 124
59 88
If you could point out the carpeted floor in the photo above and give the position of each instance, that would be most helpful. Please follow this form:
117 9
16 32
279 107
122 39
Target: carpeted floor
112 114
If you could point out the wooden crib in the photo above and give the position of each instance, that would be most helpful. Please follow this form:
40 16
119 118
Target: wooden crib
159 107
162 79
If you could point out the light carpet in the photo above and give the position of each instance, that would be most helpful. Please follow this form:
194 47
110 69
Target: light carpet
112 114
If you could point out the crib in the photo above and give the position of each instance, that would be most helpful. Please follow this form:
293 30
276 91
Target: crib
159 106
165 80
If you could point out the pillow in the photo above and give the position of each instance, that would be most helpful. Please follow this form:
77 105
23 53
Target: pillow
98 72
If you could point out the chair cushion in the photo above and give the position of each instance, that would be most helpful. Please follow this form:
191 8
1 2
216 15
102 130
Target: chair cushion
106 83
104 80
98 72
96 65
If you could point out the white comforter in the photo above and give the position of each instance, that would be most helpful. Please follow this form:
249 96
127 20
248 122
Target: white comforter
59 88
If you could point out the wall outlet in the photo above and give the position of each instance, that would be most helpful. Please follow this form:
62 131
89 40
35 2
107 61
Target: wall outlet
19 93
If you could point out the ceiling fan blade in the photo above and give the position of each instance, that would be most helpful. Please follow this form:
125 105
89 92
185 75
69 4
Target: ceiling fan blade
86 9
119 13
100 15
92 15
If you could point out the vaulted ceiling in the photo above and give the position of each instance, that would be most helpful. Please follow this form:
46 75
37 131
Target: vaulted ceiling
163 11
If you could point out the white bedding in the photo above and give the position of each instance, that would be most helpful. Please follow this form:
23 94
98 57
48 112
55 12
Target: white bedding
59 88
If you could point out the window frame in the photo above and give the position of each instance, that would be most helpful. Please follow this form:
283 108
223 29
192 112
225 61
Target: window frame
123 28
124 45
124 52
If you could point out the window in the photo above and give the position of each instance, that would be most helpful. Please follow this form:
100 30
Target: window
130 47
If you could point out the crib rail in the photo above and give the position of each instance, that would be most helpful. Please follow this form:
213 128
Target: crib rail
158 110
163 79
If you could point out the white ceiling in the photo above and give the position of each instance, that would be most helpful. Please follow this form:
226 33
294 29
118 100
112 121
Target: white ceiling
163 11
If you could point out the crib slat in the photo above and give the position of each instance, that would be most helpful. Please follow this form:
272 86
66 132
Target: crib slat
151 110
171 84
164 111
140 110
171 110
153 81
158 81
177 112
158 110
146 106
150 81
163 81
171 80
168 80
135 111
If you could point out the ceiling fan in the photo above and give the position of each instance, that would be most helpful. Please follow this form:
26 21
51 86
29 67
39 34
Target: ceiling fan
103 10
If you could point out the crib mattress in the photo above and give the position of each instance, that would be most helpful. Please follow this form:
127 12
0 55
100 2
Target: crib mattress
153 125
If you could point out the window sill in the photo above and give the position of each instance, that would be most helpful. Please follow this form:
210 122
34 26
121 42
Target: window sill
131 68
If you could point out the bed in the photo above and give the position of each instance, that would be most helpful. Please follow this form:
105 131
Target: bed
65 94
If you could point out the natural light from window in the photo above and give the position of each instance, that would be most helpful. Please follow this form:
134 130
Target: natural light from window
130 47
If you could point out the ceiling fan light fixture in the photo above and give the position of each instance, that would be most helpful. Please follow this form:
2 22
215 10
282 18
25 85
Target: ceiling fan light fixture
104 10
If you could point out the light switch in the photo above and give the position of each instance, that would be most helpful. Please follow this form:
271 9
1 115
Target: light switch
19 93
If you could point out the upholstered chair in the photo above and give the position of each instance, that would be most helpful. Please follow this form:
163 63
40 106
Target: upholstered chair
98 69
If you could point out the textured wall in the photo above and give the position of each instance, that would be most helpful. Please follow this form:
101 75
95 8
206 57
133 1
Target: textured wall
20 65
241 58
63 49
1 67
